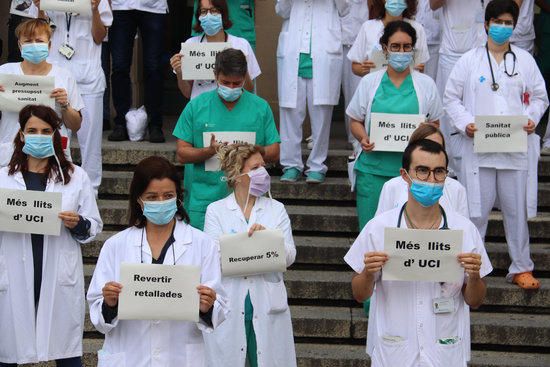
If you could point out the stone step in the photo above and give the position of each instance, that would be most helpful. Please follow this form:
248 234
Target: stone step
341 355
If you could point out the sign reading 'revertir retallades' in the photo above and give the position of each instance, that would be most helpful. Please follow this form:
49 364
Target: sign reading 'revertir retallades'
22 90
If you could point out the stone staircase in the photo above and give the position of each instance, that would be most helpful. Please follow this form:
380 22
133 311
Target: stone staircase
512 329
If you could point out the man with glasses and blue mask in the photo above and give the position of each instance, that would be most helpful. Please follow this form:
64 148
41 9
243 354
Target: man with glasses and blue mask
499 79
227 109
405 327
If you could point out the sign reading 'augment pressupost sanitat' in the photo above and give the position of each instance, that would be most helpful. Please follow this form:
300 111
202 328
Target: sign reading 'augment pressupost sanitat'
22 90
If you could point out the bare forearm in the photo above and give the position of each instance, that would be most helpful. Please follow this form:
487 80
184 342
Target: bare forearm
185 87
194 155
271 153
72 119
357 69
358 129
99 31
362 286
248 84
474 292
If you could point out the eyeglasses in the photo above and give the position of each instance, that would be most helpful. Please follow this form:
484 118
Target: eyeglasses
397 47
503 22
423 173
214 11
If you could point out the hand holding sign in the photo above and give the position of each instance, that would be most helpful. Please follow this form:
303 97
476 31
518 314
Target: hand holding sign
255 227
471 129
175 63
530 127
70 219
111 291
471 263
374 261
366 144
207 296
60 96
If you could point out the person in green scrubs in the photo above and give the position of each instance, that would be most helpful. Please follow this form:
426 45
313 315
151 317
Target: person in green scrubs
395 94
241 14
228 108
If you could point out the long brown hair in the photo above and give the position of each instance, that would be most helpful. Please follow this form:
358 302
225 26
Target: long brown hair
377 9
19 159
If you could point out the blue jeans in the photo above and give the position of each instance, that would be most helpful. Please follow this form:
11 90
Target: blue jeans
69 362
121 37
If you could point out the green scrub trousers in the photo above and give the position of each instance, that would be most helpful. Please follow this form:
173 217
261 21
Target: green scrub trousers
251 346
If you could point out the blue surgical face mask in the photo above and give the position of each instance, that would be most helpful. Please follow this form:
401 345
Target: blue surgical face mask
211 24
426 193
39 146
160 212
395 7
399 61
35 53
500 33
229 94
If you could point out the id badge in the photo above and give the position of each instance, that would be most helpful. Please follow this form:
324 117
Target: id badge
66 50
443 305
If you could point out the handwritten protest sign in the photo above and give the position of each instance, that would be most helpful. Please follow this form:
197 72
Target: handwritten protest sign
500 134
81 7
263 252
391 132
230 137
199 59
422 255
21 7
159 292
21 90
26 211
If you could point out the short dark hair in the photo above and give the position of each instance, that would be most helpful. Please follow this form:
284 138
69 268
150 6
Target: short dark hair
231 62
397 26
153 168
425 145
224 10
377 9
498 7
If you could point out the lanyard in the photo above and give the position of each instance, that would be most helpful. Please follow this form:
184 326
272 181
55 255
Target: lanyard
68 20
445 225
141 246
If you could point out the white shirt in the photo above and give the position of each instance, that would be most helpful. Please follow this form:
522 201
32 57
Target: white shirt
368 40
352 22
395 193
151 6
525 28
201 86
431 20
403 329
462 26
155 343
9 124
85 65
54 330
226 346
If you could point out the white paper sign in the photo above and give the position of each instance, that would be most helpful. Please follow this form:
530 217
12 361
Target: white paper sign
21 7
264 252
391 132
26 211
500 134
230 137
199 59
159 292
22 90
81 7
422 255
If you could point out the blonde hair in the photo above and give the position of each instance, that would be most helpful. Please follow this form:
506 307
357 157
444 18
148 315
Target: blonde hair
232 158
423 131
32 27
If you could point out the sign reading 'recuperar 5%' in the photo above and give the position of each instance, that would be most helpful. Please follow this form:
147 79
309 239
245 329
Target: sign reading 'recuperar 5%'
159 292
500 134
80 7
422 255
199 59
22 90
391 132
26 211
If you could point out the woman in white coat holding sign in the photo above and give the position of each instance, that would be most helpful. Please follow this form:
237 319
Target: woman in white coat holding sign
258 330
498 79
158 234
41 276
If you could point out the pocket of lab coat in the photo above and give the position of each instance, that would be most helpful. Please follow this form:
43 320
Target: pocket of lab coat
3 275
281 46
276 297
333 43
66 274
391 351
105 359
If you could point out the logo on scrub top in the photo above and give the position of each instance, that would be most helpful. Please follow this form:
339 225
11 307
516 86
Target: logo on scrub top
482 79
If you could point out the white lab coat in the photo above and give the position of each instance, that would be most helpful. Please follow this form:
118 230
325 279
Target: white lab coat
403 329
154 343
460 100
326 49
54 330
151 6
226 346
395 193
524 32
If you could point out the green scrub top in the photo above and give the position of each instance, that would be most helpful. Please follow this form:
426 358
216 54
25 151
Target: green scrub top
389 99
305 66
241 14
207 113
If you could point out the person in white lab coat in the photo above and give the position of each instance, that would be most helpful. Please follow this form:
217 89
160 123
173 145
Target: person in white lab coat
431 21
159 233
404 328
351 24
76 45
499 79
368 40
212 20
524 32
41 276
394 192
309 73
258 331
34 38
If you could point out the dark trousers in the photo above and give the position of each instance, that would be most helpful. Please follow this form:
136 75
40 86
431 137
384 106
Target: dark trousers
121 37
106 65
69 362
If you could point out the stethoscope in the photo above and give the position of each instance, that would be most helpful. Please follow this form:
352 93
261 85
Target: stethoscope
141 246
444 227
494 85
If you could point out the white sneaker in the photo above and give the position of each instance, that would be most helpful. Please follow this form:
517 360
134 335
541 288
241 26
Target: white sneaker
545 151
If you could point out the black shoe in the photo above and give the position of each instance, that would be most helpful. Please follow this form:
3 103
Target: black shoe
156 135
119 134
